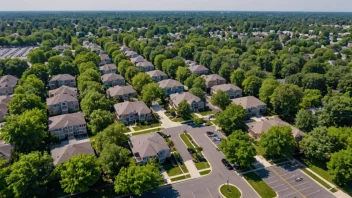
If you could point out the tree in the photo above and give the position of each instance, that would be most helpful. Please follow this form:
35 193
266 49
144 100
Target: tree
278 141
78 173
340 167
286 99
99 120
36 56
182 74
113 158
113 134
252 85
23 102
186 52
345 83
140 80
237 77
343 136
170 66
130 73
85 66
86 87
31 85
232 118
30 174
26 130
15 67
220 99
67 67
199 82
184 110
123 65
138 179
318 144
54 65
314 81
189 81
225 71
337 111
198 92
238 149
89 75
158 61
93 101
198 121
267 89
305 120
311 98
152 92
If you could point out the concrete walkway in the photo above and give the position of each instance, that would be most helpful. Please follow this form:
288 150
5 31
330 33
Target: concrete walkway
142 130
193 171
165 175
262 160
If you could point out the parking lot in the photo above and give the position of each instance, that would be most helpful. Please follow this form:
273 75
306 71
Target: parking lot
16 52
283 180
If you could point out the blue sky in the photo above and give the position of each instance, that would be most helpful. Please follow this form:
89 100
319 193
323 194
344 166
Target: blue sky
236 5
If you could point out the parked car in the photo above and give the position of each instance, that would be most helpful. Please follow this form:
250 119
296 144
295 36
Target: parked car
227 164
298 179
164 135
216 139
236 167
191 151
210 134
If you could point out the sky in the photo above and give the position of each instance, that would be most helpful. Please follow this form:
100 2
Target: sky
218 5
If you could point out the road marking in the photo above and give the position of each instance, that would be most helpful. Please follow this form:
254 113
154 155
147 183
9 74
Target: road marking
290 194
210 193
289 177
300 184
272 182
305 188
277 185
193 195
313 193
282 190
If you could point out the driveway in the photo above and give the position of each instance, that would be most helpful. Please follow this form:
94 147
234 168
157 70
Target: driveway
165 121
212 107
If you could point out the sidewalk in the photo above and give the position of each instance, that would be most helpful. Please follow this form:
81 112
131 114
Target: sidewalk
262 160
133 131
193 171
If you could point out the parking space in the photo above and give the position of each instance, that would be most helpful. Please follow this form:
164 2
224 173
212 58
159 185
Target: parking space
16 52
288 181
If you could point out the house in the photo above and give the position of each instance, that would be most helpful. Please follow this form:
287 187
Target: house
137 59
252 105
145 66
190 63
124 49
256 129
104 59
131 54
68 125
213 79
112 79
107 69
62 79
232 90
147 146
130 112
157 75
64 90
6 150
4 110
199 70
7 85
171 86
62 104
67 149
195 102
121 92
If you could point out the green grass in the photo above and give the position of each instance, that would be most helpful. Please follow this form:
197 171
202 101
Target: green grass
186 141
180 178
280 160
205 172
260 150
178 119
184 168
263 189
316 178
202 165
172 170
230 191
142 127
146 131
205 113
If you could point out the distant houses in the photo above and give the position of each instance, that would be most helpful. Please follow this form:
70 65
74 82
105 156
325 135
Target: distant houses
62 79
252 105
195 102
171 86
232 90
157 75
112 79
131 112
7 85
68 125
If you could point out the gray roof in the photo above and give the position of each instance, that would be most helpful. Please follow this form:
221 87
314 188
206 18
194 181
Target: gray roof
169 83
104 56
4 101
212 77
156 73
198 68
226 87
64 90
248 102
63 77
130 53
127 107
5 150
137 59
179 97
120 90
61 121
107 67
145 64
148 144
111 77
60 98
8 81
63 152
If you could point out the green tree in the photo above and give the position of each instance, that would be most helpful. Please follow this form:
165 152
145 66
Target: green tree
130 73
199 82
305 120
113 158
99 120
278 141
85 66
311 98
67 67
182 74
232 118
23 102
158 61
184 110
345 83
198 121
186 52
337 111
340 167
54 65
189 81
113 134
123 65
314 81
198 92
267 89
225 71
141 80
93 101
252 85
151 92
237 77
15 67
89 75
31 85
36 56
220 99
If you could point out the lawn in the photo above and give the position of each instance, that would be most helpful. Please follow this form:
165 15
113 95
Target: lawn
230 191
182 120
184 168
186 141
205 113
263 189
142 127
260 150
316 178
205 172
172 170
202 165
146 131
180 178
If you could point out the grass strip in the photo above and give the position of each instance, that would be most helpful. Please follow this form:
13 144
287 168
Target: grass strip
262 188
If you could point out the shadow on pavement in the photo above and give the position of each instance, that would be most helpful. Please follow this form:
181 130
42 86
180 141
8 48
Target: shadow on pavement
163 192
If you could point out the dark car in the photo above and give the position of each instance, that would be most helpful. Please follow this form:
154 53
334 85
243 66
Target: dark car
210 134
164 135
236 167
191 151
227 164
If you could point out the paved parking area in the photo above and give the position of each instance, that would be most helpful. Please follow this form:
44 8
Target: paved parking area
282 180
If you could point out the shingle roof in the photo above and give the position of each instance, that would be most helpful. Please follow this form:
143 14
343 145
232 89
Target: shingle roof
130 53
148 144
144 64
169 83
63 77
64 90
156 73
127 107
198 68
248 102
60 98
61 121
212 77
104 56
111 77
8 81
4 101
137 59
5 150
107 67
120 90
226 87
179 97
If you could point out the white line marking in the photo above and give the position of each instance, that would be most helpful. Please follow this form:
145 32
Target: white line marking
289 194
282 190
277 185
304 188
300 184
272 182
210 193
312 193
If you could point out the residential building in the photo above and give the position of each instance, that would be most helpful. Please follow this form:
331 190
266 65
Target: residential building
104 59
256 129
62 104
171 86
148 146
252 105
107 69
68 125
195 102
157 75
145 66
232 90
62 79
199 70
121 92
7 85
5 150
124 49
131 54
130 112
72 91
4 110
190 63
137 59
112 79
213 79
